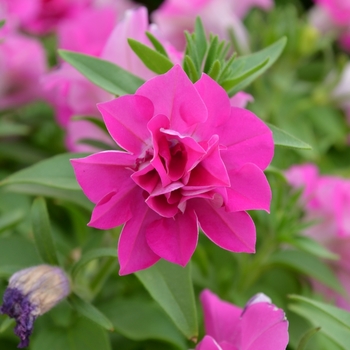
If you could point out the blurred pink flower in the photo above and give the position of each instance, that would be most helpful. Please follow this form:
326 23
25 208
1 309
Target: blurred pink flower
190 159
333 16
22 63
259 326
241 99
71 93
342 91
327 202
175 16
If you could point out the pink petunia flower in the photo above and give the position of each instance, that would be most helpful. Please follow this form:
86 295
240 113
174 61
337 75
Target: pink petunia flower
191 159
175 16
259 326
22 64
333 15
327 202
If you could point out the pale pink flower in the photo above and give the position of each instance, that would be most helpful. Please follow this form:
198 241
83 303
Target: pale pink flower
327 202
342 91
218 16
191 159
333 16
241 99
72 94
259 326
22 63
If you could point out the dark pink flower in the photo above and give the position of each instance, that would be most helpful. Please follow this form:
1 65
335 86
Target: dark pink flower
327 202
259 326
191 159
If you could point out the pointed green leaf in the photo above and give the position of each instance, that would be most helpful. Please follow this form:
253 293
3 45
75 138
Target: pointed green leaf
309 245
305 338
42 232
83 334
211 56
271 52
104 74
282 138
171 287
157 44
7 323
142 320
152 59
229 84
309 265
334 322
53 177
190 69
214 70
10 219
90 311
92 255
200 40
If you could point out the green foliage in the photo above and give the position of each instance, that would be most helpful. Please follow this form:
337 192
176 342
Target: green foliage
334 322
104 74
171 287
155 61
42 232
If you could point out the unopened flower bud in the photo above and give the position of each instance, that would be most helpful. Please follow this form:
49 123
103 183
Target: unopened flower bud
32 292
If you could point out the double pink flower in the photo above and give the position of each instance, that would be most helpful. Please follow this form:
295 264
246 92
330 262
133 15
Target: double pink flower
191 159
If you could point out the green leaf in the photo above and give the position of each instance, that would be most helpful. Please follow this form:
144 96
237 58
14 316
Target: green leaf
81 335
309 245
53 177
2 22
10 219
98 145
42 232
214 70
90 311
309 265
104 74
334 322
141 320
10 129
92 255
271 52
171 287
157 44
200 40
7 323
305 338
211 56
16 253
152 59
282 138
229 84
190 69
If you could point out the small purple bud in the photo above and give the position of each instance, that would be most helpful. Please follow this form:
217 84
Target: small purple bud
32 292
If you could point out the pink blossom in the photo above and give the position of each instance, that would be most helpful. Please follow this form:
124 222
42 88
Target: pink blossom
71 93
333 16
22 63
259 326
241 99
191 159
327 202
175 16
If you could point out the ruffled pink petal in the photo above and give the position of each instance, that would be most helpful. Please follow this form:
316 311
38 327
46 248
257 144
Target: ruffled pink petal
208 343
249 189
221 319
102 173
134 254
147 178
246 136
217 103
174 239
174 96
116 207
231 231
126 119
211 171
264 326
